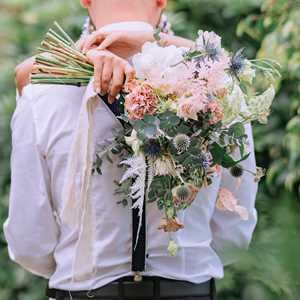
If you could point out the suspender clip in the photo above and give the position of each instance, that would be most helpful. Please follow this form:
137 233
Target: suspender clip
137 277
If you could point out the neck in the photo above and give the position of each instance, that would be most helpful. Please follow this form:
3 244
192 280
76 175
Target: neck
109 13
99 23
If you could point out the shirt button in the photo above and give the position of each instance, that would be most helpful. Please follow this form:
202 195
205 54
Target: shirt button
147 255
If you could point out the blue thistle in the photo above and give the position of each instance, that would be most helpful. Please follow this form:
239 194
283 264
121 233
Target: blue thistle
237 63
212 51
205 160
152 148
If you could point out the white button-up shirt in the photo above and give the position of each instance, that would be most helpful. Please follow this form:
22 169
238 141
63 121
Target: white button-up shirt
43 127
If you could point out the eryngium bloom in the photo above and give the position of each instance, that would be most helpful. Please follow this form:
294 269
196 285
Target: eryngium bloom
237 63
184 194
181 142
210 44
152 148
236 171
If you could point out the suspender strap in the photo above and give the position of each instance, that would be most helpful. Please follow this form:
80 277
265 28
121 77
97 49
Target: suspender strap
138 255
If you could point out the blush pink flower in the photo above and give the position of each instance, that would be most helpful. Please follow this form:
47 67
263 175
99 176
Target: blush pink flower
216 112
227 202
187 110
193 102
140 102
212 74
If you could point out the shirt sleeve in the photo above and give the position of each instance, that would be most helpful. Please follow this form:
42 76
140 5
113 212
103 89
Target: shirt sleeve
31 230
229 230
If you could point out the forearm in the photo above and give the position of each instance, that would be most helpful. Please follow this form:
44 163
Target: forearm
22 73
168 40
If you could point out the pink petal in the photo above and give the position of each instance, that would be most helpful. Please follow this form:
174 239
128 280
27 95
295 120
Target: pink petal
243 212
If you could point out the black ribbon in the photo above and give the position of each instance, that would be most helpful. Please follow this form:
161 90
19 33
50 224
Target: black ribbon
139 252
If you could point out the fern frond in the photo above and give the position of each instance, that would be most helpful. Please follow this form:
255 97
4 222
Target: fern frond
142 172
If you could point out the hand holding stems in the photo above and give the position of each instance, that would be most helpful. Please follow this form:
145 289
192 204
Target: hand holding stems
110 72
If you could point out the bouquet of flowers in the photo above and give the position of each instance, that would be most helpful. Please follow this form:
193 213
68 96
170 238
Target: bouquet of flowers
185 116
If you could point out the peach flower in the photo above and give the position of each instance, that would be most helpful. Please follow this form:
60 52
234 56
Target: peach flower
140 102
216 111
170 225
188 108
227 202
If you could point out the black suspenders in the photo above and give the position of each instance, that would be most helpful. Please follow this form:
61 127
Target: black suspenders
139 254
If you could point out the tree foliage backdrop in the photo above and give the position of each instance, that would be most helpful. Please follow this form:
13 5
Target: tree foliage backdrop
270 28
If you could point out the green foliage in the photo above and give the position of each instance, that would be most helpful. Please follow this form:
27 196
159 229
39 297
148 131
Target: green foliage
267 28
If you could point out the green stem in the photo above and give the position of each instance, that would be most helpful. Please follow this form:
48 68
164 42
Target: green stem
64 33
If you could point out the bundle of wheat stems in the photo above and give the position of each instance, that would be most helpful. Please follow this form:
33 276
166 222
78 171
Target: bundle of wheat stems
60 62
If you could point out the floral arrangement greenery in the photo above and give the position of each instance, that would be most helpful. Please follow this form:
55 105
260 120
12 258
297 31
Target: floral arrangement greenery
185 117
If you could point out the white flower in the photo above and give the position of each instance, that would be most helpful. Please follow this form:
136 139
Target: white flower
232 105
259 106
248 73
172 248
134 142
159 65
164 166
260 173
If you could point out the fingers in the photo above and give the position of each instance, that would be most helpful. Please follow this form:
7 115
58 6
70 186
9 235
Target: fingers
117 82
108 41
97 59
98 69
79 44
106 75
109 72
94 38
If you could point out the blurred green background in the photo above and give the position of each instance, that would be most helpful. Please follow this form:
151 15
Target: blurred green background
270 28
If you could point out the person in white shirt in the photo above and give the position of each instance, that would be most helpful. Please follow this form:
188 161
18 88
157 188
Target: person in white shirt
92 259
